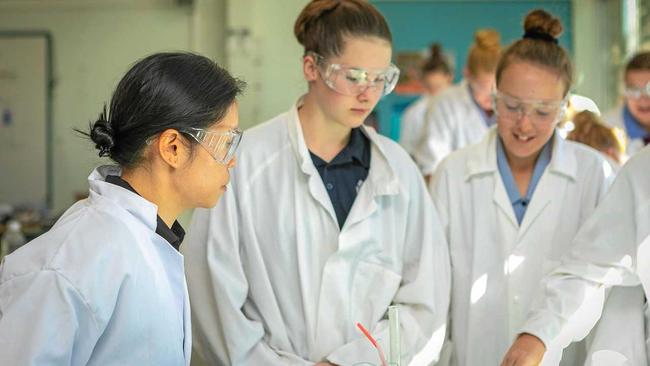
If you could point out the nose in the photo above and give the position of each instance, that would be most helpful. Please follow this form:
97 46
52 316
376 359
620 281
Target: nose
232 163
367 93
524 121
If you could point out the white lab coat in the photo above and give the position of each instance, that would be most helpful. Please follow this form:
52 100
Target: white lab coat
615 119
453 120
275 281
100 288
412 124
496 263
612 248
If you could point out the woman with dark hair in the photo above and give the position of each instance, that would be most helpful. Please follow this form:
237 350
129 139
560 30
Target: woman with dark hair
329 222
106 285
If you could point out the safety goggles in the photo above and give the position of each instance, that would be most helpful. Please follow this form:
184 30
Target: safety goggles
538 111
353 81
220 145
637 92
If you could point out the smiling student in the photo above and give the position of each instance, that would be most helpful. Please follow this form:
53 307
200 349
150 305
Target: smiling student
512 203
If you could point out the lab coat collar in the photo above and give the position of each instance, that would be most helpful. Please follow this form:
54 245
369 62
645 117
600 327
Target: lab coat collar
139 207
486 161
561 163
382 174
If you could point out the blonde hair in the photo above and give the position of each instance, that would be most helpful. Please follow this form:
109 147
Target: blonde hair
484 54
539 46
590 130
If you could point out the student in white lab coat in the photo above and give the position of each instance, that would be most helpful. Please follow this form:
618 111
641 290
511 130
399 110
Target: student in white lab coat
106 285
634 116
611 249
462 114
328 222
437 74
511 204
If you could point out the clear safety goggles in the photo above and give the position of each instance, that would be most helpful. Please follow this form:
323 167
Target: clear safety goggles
353 81
637 92
538 111
220 145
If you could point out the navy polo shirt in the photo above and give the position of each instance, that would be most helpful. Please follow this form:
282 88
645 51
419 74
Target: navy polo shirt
344 175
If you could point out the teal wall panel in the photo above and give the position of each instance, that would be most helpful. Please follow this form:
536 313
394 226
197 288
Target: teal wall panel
415 24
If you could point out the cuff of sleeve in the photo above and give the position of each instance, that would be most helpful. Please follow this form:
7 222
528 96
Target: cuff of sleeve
543 326
359 350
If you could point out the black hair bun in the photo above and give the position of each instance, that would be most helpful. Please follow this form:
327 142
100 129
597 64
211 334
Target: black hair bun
101 134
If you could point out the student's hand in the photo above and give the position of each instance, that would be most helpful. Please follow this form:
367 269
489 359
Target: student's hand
527 350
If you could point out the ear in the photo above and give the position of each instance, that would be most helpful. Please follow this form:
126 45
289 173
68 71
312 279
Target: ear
309 68
466 73
172 148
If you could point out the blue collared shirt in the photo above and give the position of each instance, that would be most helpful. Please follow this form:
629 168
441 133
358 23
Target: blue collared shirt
520 204
344 175
633 128
488 120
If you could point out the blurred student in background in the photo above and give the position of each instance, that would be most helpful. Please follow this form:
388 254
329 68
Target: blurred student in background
462 114
436 75
633 116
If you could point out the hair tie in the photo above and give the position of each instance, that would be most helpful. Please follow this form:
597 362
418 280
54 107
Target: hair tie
540 36
104 151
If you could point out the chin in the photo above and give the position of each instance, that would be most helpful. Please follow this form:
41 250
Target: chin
354 122
211 202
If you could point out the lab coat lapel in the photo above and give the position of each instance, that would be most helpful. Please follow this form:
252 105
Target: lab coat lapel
315 183
486 164
499 195
547 188
381 180
561 169
501 199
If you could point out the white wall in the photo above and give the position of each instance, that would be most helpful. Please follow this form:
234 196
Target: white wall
269 58
94 43
598 50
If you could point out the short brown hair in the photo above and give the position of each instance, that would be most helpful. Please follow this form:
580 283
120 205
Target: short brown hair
485 52
543 52
323 25
638 62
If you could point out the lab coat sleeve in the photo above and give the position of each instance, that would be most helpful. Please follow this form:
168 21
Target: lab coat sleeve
424 291
411 131
44 320
218 288
604 254
437 142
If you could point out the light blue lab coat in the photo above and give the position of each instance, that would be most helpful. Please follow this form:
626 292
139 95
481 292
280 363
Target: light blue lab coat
100 288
